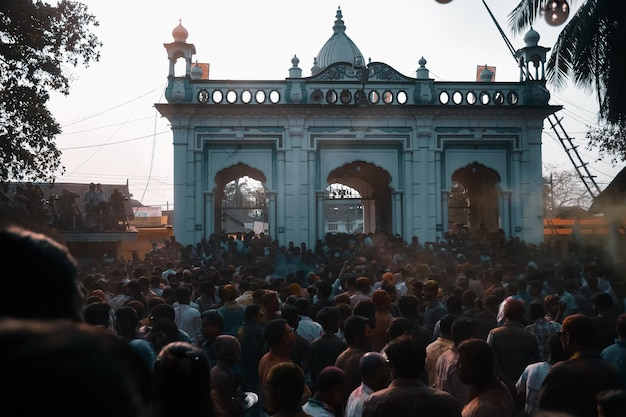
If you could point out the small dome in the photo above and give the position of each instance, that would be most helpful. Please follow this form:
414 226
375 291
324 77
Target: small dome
486 74
532 37
179 33
196 72
339 48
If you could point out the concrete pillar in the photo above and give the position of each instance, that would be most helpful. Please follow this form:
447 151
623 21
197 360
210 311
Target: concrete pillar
319 214
209 214
271 214
445 226
504 208
396 211
280 198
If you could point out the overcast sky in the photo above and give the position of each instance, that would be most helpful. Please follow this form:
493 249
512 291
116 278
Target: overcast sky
113 134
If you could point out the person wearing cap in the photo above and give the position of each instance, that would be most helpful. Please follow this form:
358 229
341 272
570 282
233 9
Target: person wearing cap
434 309
227 390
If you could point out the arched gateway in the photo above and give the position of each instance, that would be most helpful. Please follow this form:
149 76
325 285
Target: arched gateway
422 156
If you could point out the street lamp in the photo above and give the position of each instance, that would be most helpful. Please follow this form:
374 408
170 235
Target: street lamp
555 12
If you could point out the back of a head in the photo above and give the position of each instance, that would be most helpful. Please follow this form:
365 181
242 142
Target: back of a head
580 329
41 270
462 329
353 327
330 378
400 326
274 331
445 324
291 314
251 312
162 311
454 304
367 309
324 289
603 302
479 353
381 300
328 318
303 305
371 363
226 344
229 292
213 317
183 294
491 303
514 310
181 381
71 367
536 311
286 383
408 305
406 355
98 314
611 403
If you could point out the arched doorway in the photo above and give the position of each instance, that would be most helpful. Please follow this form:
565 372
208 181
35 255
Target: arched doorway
241 200
372 184
343 210
474 192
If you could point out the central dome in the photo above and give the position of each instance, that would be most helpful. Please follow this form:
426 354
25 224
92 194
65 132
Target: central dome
339 48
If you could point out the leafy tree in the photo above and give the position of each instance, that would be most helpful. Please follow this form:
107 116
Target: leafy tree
590 50
36 41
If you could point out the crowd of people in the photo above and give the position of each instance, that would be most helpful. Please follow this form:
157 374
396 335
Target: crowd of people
359 325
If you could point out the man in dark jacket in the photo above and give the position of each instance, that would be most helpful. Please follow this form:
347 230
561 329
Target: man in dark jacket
571 386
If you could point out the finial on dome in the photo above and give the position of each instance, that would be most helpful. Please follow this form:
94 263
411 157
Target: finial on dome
422 72
315 69
179 33
295 71
532 37
339 25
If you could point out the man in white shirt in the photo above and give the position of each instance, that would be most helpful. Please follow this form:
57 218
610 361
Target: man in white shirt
188 318
307 327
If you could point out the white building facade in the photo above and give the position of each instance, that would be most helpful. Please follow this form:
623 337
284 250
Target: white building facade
402 142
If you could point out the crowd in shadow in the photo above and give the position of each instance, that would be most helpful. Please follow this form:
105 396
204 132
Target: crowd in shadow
474 324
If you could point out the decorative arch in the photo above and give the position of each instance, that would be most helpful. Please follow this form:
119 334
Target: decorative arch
225 176
373 184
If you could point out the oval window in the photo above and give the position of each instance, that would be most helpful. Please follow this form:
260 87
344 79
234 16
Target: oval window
217 96
246 96
274 96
